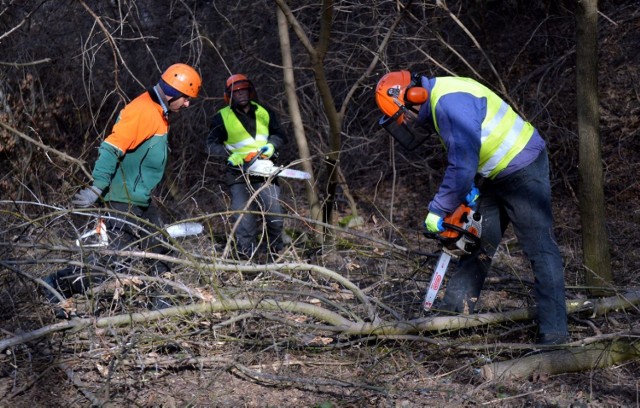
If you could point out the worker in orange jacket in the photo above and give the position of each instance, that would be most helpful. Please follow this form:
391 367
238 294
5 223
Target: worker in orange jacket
131 162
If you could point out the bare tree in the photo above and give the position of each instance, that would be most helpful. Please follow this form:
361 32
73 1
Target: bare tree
294 111
595 243
317 54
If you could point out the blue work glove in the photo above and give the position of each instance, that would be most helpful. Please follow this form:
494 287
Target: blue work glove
433 223
236 159
86 197
268 150
472 196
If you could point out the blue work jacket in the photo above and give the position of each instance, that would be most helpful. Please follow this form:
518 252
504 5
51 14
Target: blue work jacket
481 133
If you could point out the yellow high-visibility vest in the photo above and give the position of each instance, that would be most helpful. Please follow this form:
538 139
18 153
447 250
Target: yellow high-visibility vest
503 132
238 139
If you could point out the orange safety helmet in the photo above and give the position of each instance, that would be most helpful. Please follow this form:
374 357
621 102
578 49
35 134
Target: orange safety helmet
397 91
184 79
396 94
237 82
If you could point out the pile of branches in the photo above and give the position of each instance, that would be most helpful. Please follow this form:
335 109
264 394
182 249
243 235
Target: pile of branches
319 297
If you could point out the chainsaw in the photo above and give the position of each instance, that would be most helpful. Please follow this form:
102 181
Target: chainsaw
101 239
461 235
266 168
257 165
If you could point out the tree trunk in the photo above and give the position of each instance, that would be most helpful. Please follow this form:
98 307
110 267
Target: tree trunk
334 119
315 212
595 245
316 55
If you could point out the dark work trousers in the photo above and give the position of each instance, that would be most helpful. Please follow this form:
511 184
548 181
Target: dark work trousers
124 233
522 198
250 231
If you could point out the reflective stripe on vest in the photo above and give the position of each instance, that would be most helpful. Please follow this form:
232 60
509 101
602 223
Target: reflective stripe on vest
238 139
503 132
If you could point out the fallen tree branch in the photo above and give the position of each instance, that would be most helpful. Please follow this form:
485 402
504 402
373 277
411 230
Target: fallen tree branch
307 221
336 322
217 266
77 324
597 355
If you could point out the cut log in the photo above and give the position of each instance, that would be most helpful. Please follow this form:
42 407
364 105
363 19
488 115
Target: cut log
596 355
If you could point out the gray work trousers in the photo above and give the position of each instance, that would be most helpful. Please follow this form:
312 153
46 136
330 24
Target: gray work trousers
250 233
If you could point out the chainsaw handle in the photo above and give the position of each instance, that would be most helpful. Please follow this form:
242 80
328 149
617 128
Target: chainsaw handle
432 235
466 233
246 165
451 227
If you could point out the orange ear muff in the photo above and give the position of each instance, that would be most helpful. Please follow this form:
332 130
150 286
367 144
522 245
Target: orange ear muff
416 95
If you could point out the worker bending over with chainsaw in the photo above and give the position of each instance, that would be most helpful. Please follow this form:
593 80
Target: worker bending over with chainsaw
131 162
488 142
242 132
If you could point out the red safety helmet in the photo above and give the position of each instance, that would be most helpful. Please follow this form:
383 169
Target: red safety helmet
237 82
183 78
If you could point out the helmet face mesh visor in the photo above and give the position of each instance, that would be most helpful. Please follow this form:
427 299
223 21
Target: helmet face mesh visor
408 137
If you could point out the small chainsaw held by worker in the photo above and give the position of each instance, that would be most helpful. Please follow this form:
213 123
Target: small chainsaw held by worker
257 165
99 237
461 235
266 168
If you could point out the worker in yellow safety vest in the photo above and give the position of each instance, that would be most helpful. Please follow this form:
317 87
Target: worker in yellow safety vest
497 162
240 131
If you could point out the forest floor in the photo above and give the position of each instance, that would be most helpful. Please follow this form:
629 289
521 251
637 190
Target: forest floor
262 360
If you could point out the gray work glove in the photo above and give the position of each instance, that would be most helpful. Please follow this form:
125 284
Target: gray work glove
86 196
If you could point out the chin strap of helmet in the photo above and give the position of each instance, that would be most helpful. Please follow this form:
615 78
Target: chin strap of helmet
161 99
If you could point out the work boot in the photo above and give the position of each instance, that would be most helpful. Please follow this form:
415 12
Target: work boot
159 302
58 311
548 340
63 314
244 252
439 309
462 303
162 297
52 281
159 298
277 248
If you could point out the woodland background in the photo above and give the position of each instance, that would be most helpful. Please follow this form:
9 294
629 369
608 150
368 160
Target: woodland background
67 67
